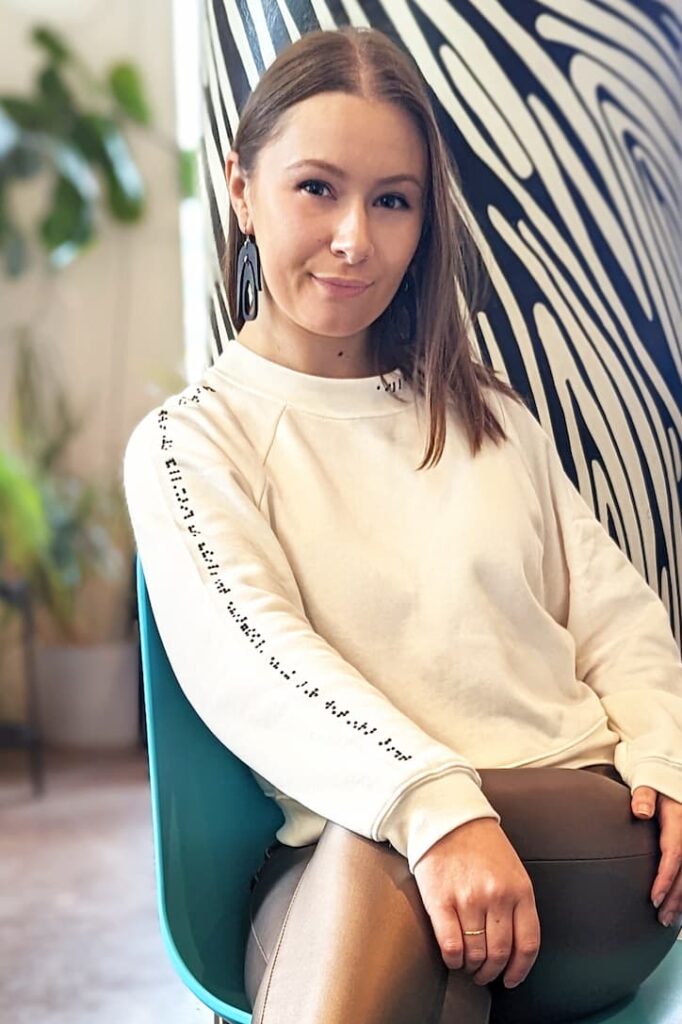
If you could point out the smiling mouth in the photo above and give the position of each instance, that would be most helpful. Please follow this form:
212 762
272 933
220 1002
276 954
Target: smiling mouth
343 281
344 290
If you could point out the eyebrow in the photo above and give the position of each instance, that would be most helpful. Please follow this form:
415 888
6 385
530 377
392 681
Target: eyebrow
333 169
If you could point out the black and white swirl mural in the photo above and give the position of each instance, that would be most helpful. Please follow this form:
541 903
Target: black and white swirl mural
565 119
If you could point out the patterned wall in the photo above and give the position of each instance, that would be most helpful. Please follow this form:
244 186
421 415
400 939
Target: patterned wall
565 120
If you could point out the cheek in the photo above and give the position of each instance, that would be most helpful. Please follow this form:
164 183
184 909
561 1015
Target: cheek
286 274
289 252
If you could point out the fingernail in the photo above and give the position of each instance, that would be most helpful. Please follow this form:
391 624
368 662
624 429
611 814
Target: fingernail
643 809
667 920
659 899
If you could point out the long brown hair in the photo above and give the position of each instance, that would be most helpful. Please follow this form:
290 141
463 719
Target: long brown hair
451 286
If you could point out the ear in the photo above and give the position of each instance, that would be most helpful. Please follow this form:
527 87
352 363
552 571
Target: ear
237 188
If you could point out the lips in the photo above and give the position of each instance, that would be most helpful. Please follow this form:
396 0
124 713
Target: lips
343 282
342 288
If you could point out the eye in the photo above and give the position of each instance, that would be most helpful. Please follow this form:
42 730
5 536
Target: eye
405 206
315 183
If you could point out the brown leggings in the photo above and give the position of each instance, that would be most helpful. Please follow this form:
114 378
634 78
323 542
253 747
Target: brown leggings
340 934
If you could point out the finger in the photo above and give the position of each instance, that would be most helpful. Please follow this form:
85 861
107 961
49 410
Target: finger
448 934
670 914
644 801
498 940
670 840
668 870
669 883
475 946
526 942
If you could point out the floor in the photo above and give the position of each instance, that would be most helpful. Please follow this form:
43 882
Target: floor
78 920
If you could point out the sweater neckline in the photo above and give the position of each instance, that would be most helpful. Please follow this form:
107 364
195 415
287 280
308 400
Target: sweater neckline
338 397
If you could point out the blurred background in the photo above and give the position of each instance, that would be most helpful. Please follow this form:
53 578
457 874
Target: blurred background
102 314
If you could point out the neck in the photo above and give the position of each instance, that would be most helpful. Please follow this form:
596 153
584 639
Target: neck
288 344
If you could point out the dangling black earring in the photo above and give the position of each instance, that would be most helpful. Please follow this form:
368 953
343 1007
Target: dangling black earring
404 310
248 280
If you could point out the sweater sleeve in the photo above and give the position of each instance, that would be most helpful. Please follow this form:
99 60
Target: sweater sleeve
624 646
232 621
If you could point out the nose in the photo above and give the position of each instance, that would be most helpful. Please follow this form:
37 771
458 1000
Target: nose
352 237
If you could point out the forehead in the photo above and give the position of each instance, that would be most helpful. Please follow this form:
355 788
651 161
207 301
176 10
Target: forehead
364 137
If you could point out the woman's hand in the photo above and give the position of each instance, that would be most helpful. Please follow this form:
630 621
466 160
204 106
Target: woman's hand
473 879
667 885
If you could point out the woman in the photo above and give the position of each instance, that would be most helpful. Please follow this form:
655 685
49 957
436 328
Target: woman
408 655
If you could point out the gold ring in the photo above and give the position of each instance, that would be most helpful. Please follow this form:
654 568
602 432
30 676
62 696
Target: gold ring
480 931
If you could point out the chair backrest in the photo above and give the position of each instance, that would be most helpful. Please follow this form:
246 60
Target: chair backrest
211 824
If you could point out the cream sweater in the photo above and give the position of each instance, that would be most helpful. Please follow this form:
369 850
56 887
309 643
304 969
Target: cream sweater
365 636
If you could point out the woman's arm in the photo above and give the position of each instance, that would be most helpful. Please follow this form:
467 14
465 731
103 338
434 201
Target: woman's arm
232 621
624 646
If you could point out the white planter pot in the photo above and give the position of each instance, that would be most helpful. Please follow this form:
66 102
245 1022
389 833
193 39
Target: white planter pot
88 696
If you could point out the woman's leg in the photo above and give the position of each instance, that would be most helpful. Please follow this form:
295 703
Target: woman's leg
592 865
340 936
352 941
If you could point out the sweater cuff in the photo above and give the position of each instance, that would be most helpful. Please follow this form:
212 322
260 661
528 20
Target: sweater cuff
664 778
430 811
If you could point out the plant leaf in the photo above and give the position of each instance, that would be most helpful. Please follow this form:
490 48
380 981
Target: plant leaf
9 134
68 227
128 91
72 166
52 42
100 137
57 101
24 533
31 115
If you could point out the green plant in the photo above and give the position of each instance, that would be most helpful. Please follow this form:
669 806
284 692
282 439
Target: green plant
51 129
57 530
24 528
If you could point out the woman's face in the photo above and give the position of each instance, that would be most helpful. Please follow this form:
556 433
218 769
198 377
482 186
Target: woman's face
338 221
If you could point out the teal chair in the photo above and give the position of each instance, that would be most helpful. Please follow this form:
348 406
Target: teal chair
212 824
